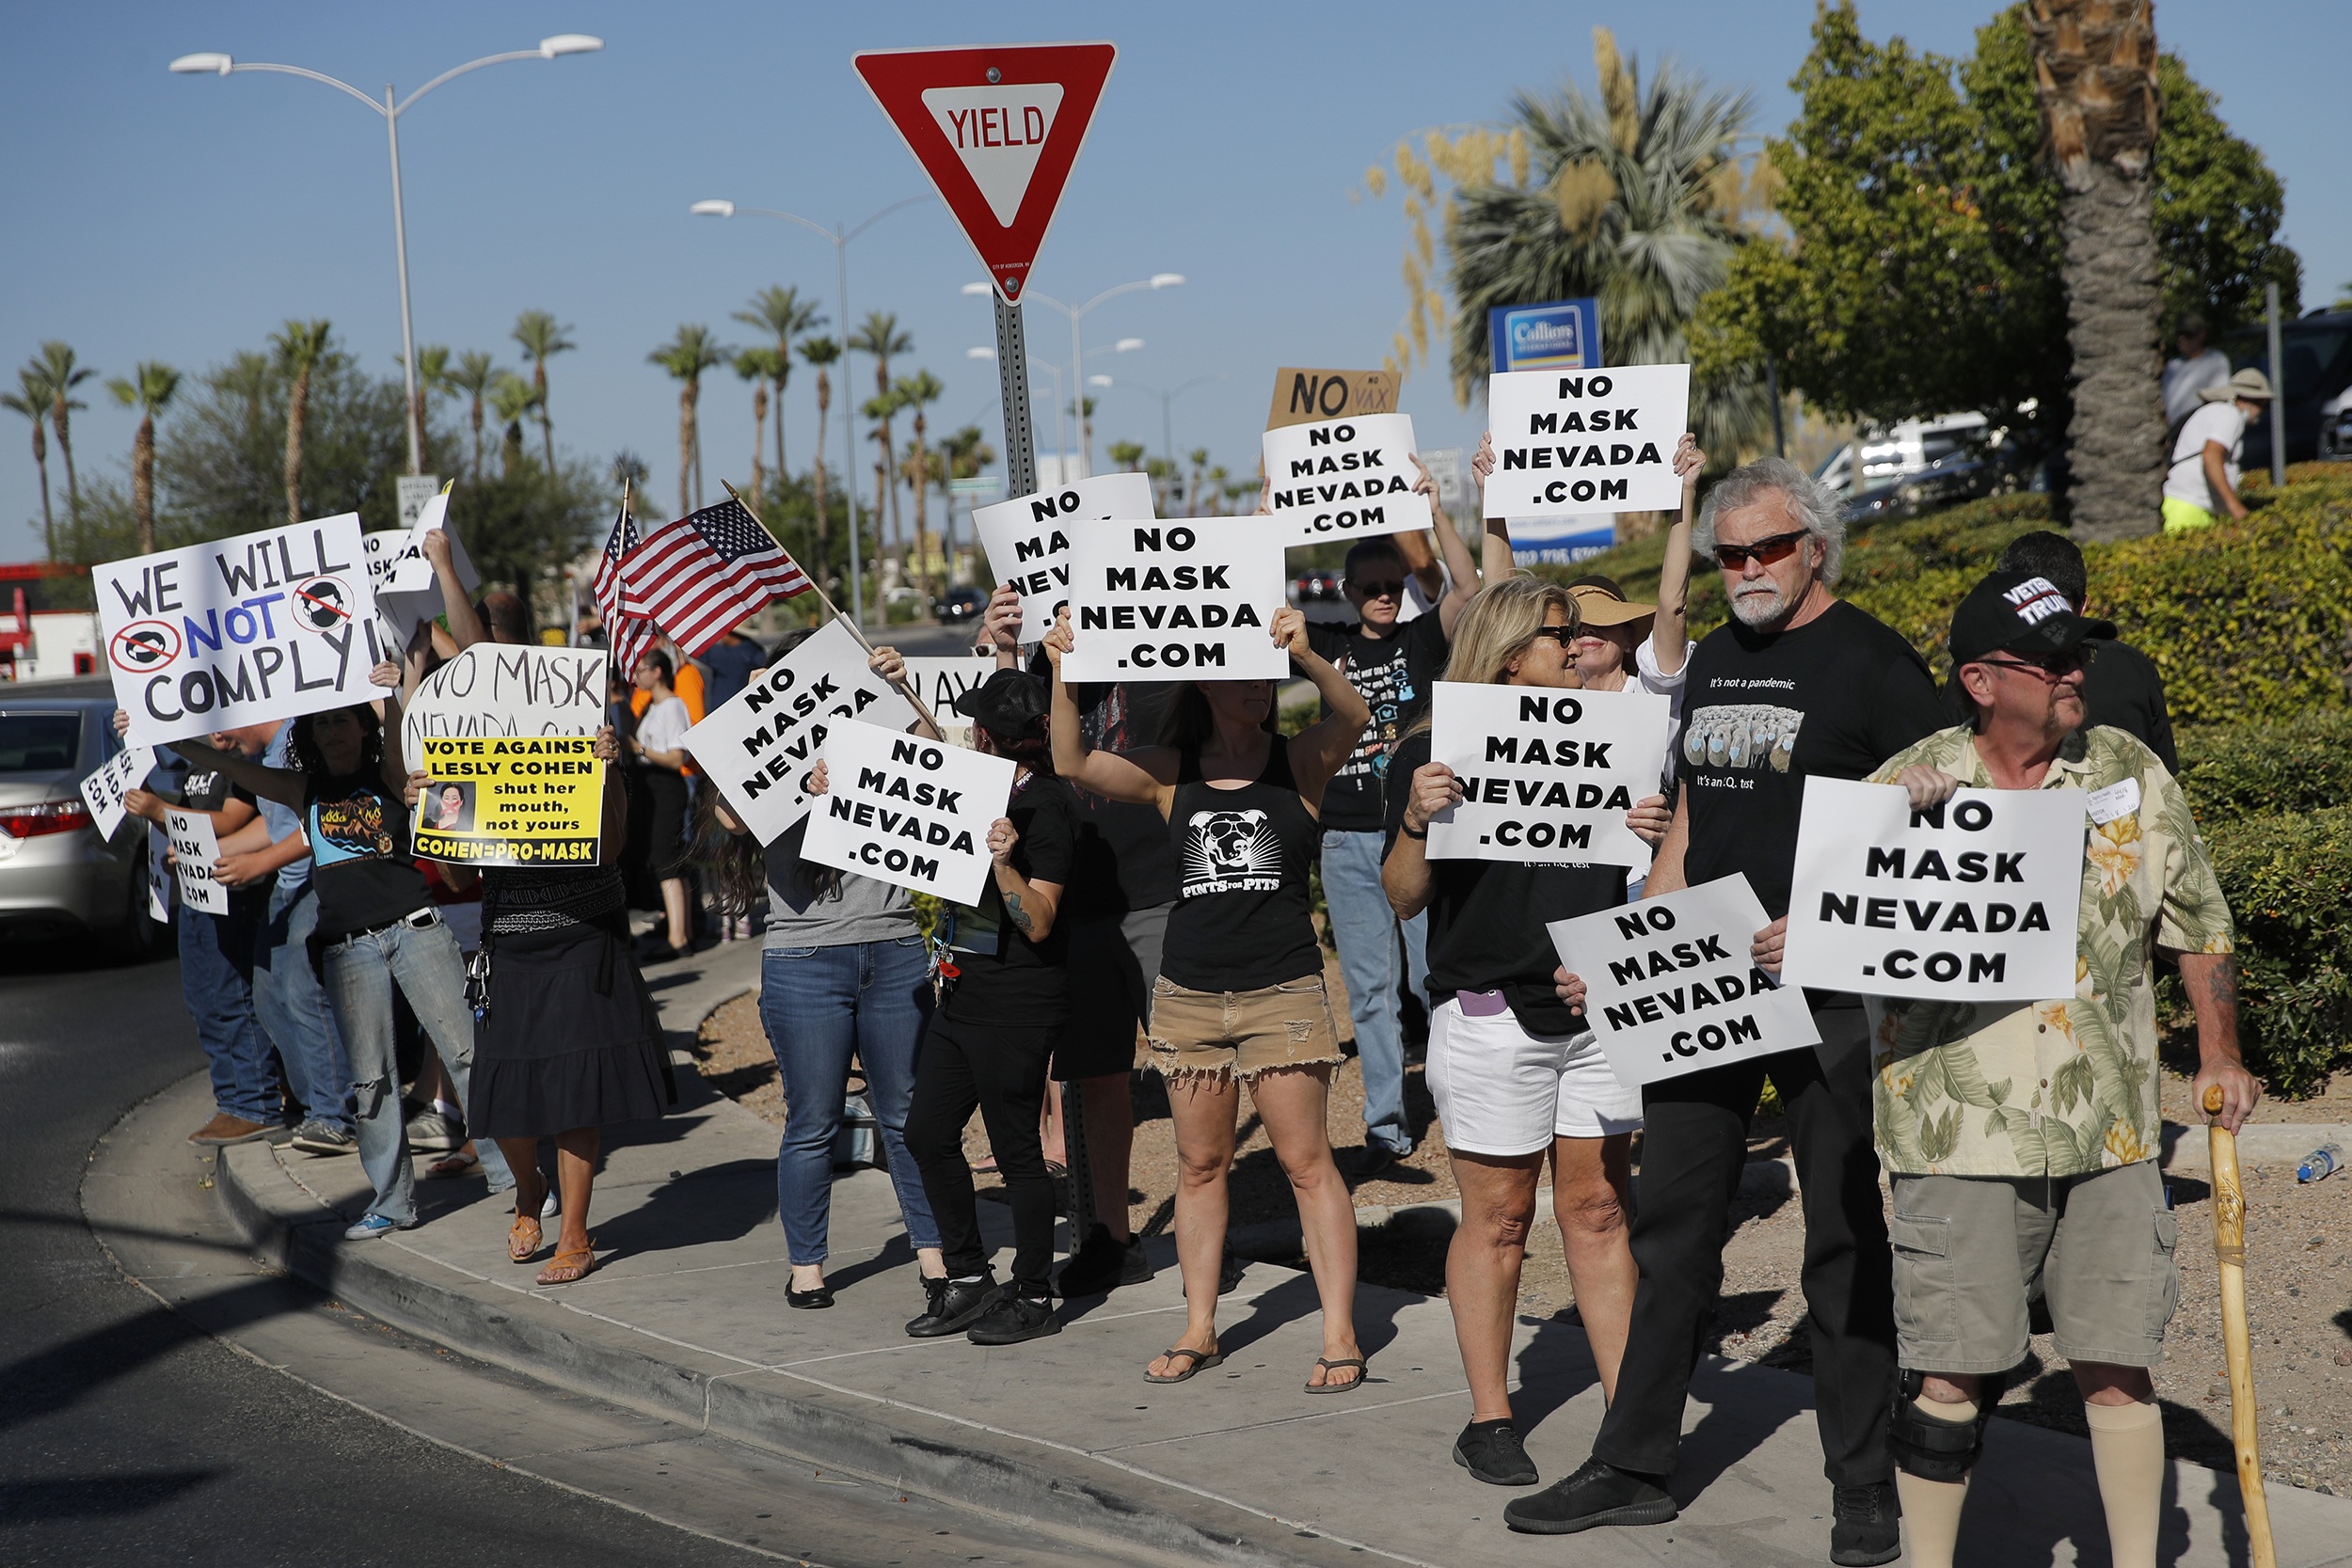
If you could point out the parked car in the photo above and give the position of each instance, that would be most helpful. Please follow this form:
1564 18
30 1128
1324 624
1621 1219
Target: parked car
2316 353
959 606
1316 585
57 877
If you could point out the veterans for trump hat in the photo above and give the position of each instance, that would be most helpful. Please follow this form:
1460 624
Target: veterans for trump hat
2019 613
1011 705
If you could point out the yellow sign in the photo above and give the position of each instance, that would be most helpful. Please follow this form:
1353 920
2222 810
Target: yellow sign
1302 397
510 801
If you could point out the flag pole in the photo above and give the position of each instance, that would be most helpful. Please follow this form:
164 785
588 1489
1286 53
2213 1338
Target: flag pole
819 589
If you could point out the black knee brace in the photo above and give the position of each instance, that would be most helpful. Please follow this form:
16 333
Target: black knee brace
1933 1449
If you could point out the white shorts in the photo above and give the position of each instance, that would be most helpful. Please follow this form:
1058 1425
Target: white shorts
1503 1091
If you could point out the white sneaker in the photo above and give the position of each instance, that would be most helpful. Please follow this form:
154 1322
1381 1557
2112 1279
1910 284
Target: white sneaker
550 1206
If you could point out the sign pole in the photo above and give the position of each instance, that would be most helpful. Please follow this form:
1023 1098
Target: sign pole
1012 369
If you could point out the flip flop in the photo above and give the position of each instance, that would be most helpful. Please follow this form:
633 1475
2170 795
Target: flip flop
522 1245
1329 1366
583 1261
457 1163
1202 1361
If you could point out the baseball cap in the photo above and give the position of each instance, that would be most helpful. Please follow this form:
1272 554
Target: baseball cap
1599 602
1010 705
2016 612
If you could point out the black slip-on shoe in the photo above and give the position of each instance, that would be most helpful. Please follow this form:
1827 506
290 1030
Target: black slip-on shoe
1014 1320
1865 1525
1491 1450
954 1307
1102 1264
1597 1493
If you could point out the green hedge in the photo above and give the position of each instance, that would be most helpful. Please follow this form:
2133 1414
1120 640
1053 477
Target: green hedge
2238 771
2289 882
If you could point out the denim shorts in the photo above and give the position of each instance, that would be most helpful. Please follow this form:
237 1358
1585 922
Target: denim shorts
1240 1033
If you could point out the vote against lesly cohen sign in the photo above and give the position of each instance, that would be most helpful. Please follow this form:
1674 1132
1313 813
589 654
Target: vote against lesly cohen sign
510 801
1568 443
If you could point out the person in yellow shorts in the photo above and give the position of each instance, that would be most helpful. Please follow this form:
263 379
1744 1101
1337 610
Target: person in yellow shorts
2203 480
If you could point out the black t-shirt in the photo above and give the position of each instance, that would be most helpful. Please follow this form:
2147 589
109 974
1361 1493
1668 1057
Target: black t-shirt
1008 978
1392 674
1487 918
211 789
1125 861
360 855
1242 921
1836 696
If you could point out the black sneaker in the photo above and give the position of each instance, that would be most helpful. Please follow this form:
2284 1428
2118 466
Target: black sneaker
953 1307
1491 1450
1597 1493
1102 1264
1014 1318
1865 1525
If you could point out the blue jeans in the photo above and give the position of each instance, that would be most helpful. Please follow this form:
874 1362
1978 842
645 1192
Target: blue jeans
1366 931
820 1005
360 972
217 954
293 1007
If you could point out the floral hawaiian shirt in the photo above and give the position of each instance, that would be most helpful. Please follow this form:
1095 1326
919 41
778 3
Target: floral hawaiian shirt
2062 1088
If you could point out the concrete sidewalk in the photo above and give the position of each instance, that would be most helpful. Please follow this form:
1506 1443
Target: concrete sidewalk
685 1320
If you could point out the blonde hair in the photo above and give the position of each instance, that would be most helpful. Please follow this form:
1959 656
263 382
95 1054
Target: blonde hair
1501 622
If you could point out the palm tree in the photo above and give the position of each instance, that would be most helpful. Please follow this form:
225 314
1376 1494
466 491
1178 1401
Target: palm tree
433 380
1217 476
512 401
541 340
880 409
881 338
59 370
686 357
299 346
2095 76
1199 458
1127 455
783 314
919 391
759 366
33 403
963 455
473 375
820 352
1632 197
149 389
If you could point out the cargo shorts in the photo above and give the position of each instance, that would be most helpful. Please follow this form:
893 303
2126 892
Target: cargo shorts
1970 1252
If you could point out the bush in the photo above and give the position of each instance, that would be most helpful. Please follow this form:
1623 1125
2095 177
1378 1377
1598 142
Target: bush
2242 771
2288 877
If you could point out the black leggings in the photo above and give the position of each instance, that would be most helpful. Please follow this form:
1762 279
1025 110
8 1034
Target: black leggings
1000 1070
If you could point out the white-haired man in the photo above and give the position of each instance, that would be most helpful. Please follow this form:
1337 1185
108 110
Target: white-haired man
1798 683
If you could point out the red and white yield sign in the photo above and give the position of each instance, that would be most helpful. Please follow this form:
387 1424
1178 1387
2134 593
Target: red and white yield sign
997 129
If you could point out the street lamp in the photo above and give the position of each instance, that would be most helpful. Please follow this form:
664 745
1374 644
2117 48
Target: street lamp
549 48
840 238
1168 438
1076 314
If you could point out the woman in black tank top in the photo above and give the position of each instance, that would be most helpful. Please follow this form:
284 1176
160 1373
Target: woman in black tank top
1240 994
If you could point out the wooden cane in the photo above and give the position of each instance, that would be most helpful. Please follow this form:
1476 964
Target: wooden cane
2229 1247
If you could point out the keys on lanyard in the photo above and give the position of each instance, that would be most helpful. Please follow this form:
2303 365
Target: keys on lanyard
944 972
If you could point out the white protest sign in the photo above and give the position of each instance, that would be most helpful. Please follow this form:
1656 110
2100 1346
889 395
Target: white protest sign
120 774
415 493
1344 479
193 847
1974 901
1669 987
159 885
1028 540
940 681
1547 775
507 688
1176 601
908 810
761 742
271 625
408 594
1569 442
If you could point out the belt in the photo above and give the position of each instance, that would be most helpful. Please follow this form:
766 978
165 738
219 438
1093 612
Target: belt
416 919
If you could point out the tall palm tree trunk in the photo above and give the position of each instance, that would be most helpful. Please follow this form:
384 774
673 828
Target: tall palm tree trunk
922 512
2095 76
759 436
40 461
143 482
546 426
784 357
685 450
824 527
695 435
477 438
297 418
65 448
890 466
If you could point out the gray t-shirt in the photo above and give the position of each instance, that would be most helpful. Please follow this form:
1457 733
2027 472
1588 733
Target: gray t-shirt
802 914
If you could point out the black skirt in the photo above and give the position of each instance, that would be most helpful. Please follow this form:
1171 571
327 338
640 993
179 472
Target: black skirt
666 827
570 1039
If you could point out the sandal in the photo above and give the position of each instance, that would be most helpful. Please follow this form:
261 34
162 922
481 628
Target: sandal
522 1245
1202 1361
1329 1366
566 1267
457 1163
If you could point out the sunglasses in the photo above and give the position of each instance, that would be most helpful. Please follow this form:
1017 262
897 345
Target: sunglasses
1731 558
2048 666
1391 589
1565 636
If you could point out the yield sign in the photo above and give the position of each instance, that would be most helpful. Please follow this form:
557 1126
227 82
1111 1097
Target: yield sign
997 129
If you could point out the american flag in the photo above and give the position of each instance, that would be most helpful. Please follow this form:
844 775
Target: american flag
701 575
626 635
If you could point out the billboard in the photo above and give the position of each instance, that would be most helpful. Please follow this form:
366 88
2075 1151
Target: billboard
1564 335
1561 541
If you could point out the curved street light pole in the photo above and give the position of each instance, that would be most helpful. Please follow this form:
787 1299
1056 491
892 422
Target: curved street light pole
1077 357
839 239
1168 399
549 48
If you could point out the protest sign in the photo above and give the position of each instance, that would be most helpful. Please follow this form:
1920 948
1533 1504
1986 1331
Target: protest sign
407 594
1344 479
940 681
908 810
1571 442
1670 987
761 742
1973 901
271 625
1547 775
507 688
120 774
1303 396
1028 540
1178 601
510 801
194 848
159 880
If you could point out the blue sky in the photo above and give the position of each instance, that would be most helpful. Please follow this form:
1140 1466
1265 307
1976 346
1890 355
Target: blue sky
183 218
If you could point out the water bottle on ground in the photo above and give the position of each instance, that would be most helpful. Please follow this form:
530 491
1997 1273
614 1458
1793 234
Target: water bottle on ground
2321 1162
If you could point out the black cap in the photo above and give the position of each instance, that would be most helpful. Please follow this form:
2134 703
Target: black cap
1011 705
2013 611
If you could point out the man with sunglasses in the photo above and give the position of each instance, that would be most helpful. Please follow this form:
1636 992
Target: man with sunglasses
2022 1140
1798 683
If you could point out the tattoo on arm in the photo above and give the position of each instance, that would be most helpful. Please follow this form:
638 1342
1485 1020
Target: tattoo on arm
1020 916
2221 983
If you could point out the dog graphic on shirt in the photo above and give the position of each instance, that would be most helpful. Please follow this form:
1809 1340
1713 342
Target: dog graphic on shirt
1230 851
